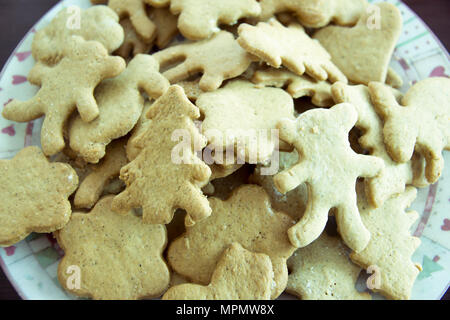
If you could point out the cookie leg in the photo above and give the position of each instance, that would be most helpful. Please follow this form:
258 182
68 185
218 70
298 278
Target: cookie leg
52 139
311 225
434 162
350 226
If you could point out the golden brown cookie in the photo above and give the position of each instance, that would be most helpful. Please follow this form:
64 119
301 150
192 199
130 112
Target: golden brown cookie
98 23
242 117
159 180
316 13
115 256
200 19
296 86
218 58
34 195
247 218
120 105
395 176
323 271
421 122
330 168
291 47
64 88
363 52
239 275
391 247
94 184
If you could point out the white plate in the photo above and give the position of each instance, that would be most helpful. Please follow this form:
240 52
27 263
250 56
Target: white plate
31 264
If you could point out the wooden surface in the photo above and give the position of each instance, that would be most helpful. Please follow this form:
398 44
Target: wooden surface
18 16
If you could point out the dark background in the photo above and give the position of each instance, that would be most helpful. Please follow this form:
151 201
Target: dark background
18 16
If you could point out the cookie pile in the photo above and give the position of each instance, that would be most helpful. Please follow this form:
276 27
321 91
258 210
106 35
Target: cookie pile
267 150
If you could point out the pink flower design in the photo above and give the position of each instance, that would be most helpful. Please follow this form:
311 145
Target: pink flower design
9 100
21 56
9 130
438 72
10 250
18 79
446 225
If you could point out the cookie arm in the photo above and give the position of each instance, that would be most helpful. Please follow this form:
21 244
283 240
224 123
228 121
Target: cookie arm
23 111
291 178
434 159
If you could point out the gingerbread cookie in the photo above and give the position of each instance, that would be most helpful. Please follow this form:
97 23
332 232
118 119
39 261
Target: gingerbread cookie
316 13
117 256
247 218
93 185
363 52
34 195
391 246
218 58
291 47
330 168
296 86
159 180
395 176
120 104
323 271
421 122
243 117
239 275
67 86
200 19
98 23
